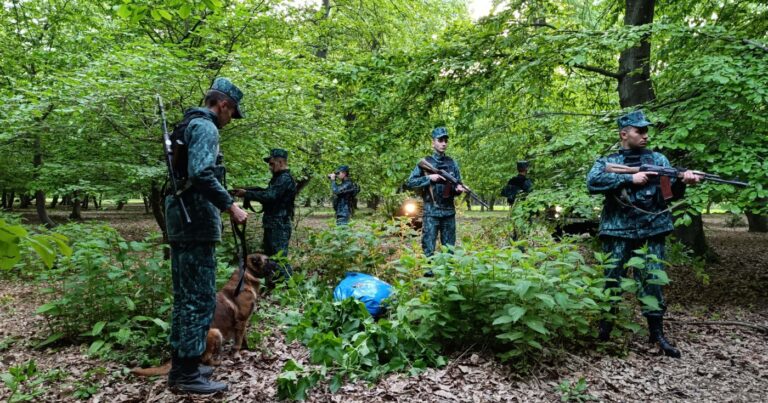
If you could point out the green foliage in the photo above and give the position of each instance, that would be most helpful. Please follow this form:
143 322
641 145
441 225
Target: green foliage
26 382
574 392
15 238
109 292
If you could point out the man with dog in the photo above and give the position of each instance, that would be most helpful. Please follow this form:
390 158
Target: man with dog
278 203
193 244
635 215
439 212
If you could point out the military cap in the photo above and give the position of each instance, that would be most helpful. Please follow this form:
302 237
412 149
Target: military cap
276 153
522 165
634 119
342 168
438 132
224 86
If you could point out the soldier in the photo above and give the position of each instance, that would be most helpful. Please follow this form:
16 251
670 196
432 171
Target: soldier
635 214
278 202
343 194
193 259
520 183
439 213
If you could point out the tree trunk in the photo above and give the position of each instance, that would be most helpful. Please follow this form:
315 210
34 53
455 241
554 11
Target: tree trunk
145 199
25 200
373 202
76 208
156 202
86 201
37 161
11 199
55 201
96 204
757 222
693 236
120 205
4 198
66 200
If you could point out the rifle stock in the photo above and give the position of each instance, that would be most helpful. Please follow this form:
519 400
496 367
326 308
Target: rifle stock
425 165
168 151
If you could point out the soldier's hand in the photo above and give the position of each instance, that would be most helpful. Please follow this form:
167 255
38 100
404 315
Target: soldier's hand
436 178
238 215
237 192
690 178
461 188
641 178
332 177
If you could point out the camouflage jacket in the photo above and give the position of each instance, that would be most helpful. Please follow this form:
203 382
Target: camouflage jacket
519 183
438 196
277 199
631 211
205 197
342 197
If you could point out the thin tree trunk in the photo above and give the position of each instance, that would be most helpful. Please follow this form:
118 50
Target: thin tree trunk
120 205
37 161
55 201
757 222
5 197
25 200
76 213
11 199
156 202
145 199
85 202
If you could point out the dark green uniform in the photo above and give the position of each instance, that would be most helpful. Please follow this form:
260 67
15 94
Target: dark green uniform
516 185
343 193
193 261
278 202
439 212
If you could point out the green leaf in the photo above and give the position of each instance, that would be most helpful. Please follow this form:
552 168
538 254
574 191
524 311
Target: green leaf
95 346
537 325
97 328
510 336
165 14
650 302
185 11
336 383
49 308
124 11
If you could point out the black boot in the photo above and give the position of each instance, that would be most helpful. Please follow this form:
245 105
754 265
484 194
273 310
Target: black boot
656 335
175 372
605 329
187 377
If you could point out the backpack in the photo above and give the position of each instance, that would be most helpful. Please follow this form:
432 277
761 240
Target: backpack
179 147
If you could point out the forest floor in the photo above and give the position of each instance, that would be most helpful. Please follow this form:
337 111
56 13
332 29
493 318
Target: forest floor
721 362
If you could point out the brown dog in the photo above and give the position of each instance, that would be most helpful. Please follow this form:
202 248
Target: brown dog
232 313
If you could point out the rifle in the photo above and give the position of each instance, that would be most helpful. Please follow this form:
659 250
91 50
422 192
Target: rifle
247 203
425 165
168 150
668 172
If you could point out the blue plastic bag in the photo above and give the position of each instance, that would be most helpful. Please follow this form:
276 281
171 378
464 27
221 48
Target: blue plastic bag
367 289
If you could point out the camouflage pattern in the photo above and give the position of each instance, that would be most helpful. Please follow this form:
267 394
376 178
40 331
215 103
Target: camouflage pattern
634 119
446 226
193 270
439 212
276 153
618 218
438 132
278 203
622 249
225 86
516 185
204 196
342 198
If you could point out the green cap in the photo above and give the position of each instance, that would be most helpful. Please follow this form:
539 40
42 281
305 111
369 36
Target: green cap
634 119
224 86
276 153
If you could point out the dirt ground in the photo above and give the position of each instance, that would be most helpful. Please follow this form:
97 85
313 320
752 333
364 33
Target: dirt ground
725 359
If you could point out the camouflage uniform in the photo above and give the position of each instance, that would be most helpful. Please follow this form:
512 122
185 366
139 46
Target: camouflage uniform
278 202
516 185
193 261
342 197
624 228
439 213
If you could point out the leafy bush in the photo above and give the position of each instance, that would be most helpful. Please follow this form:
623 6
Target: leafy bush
16 239
110 292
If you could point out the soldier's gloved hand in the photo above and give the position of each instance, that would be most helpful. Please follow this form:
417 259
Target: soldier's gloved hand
238 215
436 178
641 178
237 192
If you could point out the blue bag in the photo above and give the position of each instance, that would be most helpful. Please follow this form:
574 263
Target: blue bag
367 289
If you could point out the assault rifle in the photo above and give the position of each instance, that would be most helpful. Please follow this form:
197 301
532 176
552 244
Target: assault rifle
247 203
168 151
425 165
668 172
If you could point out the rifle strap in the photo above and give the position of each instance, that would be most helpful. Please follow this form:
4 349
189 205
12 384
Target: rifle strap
238 232
653 213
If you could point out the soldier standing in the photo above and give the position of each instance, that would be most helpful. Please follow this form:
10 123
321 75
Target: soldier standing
634 215
439 213
518 184
278 203
193 245
343 194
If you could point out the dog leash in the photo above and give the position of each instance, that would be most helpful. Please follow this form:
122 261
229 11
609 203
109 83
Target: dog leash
238 232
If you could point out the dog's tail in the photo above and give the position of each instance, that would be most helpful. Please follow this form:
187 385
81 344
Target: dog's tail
153 371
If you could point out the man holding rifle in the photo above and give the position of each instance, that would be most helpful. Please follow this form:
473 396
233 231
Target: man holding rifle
194 227
438 195
635 214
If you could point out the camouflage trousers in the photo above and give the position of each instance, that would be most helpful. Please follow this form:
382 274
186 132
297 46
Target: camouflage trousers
277 235
622 250
446 226
193 272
